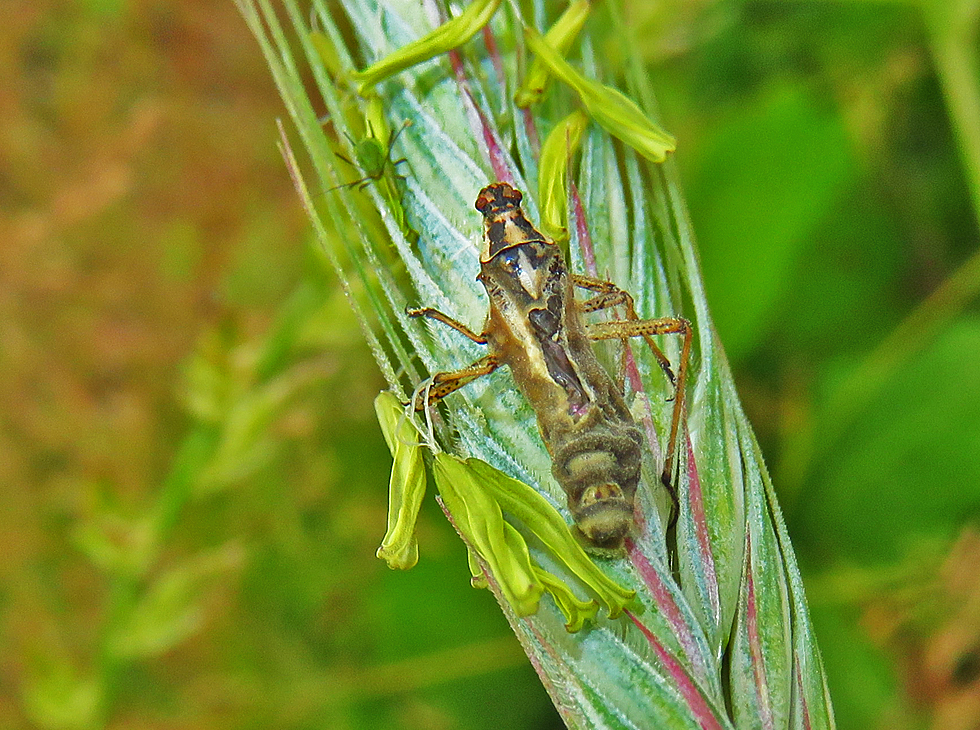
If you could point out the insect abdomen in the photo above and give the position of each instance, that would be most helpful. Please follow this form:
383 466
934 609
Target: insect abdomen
599 469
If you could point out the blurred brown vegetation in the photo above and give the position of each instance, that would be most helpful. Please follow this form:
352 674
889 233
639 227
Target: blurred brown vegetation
193 479
138 168
170 344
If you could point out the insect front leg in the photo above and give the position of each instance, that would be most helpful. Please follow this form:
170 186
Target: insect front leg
624 329
448 321
449 382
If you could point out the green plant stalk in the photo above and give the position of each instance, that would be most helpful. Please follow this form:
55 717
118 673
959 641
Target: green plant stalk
953 35
734 598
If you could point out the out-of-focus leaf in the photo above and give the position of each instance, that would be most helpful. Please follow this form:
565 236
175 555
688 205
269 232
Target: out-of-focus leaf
796 160
913 454
119 546
864 684
170 610
245 443
57 697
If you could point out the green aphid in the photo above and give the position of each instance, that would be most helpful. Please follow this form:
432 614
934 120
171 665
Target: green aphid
373 158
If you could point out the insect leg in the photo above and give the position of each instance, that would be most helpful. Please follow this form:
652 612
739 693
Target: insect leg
448 321
610 295
394 168
394 135
391 143
597 285
359 184
623 329
449 382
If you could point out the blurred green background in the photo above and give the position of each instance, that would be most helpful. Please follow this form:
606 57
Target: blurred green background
194 484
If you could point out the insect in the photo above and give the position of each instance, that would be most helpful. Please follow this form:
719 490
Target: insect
535 326
373 158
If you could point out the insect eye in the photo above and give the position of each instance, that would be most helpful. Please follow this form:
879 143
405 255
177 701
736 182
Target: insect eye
509 260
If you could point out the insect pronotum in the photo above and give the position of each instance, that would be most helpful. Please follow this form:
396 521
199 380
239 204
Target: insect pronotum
535 327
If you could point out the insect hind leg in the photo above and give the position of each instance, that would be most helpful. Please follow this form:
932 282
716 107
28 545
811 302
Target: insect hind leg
624 329
610 295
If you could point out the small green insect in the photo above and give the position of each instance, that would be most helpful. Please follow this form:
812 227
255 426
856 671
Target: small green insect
373 158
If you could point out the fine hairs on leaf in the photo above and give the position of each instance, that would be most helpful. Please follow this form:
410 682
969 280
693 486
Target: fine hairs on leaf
717 632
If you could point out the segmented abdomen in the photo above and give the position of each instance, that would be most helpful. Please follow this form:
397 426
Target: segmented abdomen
605 452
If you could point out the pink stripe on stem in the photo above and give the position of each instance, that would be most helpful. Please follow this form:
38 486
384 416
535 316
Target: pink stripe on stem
456 61
478 121
531 130
479 124
666 605
689 690
695 502
584 237
498 160
498 65
569 713
755 645
803 705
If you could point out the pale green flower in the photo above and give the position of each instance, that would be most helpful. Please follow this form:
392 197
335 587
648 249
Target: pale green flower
560 36
612 109
557 151
406 488
447 36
